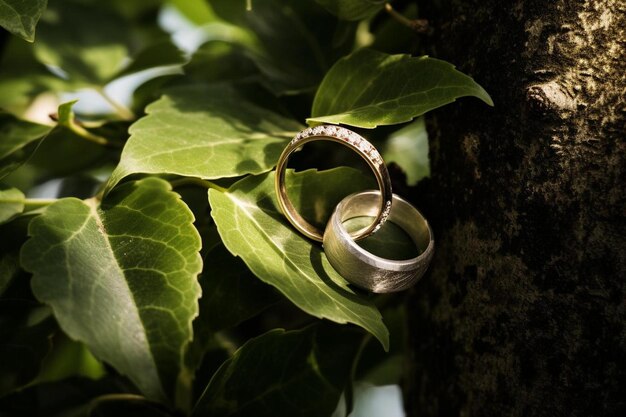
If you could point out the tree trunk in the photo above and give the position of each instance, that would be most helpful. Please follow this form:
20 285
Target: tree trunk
523 311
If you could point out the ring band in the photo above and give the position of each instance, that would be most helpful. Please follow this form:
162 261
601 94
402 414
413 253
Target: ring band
355 142
365 269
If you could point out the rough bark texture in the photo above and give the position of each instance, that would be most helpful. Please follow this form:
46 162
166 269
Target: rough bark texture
523 311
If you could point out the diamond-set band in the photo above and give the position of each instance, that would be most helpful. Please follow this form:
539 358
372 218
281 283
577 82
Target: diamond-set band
386 213
345 135
353 141
352 261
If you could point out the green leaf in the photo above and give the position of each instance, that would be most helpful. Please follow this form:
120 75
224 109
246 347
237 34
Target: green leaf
121 277
224 31
10 250
21 16
71 359
157 54
87 42
9 268
218 61
206 132
386 368
297 373
140 12
353 9
66 114
295 41
370 88
125 406
24 79
94 43
63 153
11 203
152 90
408 148
197 11
68 358
62 398
26 328
230 295
18 141
252 227
65 150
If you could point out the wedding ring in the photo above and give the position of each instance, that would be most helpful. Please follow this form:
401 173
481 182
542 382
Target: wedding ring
365 269
366 150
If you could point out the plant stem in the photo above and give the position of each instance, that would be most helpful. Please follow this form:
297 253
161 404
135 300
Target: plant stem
122 111
181 182
183 395
226 343
36 203
85 134
120 396
30 204
114 397
417 25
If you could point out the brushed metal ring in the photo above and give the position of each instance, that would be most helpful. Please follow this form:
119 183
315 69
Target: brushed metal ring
369 271
353 141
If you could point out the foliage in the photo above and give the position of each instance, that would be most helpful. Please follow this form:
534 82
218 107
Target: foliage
159 255
398 88
20 17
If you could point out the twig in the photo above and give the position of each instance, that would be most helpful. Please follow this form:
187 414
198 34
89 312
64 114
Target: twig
36 203
80 131
85 134
122 111
416 25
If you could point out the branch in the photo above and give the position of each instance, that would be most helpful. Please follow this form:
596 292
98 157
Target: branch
122 111
416 25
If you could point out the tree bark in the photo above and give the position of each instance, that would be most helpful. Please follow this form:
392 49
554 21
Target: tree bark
523 311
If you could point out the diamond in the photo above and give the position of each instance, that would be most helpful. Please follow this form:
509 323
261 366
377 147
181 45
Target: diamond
317 130
376 157
387 209
364 146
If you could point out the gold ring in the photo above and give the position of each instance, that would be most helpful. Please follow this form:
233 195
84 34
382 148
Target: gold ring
353 141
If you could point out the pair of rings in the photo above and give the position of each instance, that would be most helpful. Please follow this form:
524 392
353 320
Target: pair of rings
355 264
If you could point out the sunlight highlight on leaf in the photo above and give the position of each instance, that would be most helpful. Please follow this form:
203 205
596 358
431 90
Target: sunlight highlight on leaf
122 278
206 132
370 88
252 227
20 17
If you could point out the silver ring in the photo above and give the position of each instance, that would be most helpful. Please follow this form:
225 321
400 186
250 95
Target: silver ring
353 141
365 269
